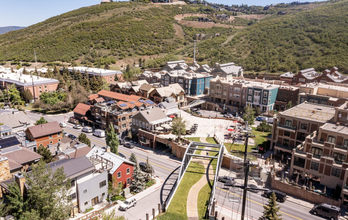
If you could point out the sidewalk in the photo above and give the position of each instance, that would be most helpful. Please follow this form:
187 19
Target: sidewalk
158 184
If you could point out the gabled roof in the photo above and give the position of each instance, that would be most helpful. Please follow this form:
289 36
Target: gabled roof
93 96
44 129
153 115
119 96
73 167
18 156
167 91
100 99
115 159
145 87
81 109
78 150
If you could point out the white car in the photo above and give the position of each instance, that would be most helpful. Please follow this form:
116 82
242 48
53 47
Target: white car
131 202
87 129
62 124
77 126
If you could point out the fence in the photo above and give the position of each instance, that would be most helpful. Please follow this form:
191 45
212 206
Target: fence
97 213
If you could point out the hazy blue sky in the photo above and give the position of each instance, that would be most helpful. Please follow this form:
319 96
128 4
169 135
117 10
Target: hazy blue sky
29 12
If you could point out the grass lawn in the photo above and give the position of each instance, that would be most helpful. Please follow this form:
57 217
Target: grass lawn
260 140
193 173
196 139
211 140
203 200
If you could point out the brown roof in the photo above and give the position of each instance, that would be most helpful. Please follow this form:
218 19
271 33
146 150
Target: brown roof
145 87
18 156
45 129
93 96
119 96
78 150
81 109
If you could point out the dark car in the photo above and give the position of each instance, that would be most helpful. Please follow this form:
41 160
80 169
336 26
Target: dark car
281 197
261 118
121 141
73 137
328 211
226 179
148 169
129 145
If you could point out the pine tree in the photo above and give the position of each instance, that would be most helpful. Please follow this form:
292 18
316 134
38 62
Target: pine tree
3 208
45 153
271 209
133 158
111 139
16 200
148 168
138 181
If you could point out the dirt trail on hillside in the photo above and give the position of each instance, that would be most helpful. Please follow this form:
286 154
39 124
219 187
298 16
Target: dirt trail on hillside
178 31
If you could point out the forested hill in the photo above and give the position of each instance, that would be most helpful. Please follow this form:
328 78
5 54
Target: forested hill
314 38
314 35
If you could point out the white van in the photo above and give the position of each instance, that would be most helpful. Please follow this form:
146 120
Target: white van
99 133
87 129
270 120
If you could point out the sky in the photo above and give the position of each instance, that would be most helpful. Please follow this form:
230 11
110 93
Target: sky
29 12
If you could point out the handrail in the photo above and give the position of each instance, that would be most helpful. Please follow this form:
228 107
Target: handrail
288 127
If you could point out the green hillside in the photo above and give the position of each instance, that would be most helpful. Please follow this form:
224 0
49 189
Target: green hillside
314 38
313 35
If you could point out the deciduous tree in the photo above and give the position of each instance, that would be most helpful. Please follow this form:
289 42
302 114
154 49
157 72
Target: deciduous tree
84 139
249 115
179 126
41 121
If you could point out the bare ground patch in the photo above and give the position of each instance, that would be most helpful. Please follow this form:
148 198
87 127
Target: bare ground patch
197 24
182 16
249 17
178 31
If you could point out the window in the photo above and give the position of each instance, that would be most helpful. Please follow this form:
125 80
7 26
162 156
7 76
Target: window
84 191
86 203
264 101
317 151
128 170
304 126
58 134
301 80
264 94
51 142
250 92
287 133
102 184
119 174
249 98
72 196
72 183
286 142
288 123
315 166
331 139
50 135
339 157
345 143
124 126
335 172
128 181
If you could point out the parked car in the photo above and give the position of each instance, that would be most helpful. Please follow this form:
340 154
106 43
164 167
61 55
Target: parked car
261 118
87 129
143 167
129 145
253 188
226 179
128 203
65 133
99 133
328 211
229 116
62 124
77 126
198 113
73 137
281 197
121 141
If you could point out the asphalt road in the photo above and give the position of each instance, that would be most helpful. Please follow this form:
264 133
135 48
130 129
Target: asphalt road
164 164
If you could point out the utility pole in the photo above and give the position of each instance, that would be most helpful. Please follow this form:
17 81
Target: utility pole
246 171
32 82
194 51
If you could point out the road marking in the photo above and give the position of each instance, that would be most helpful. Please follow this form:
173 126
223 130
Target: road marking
258 203
123 152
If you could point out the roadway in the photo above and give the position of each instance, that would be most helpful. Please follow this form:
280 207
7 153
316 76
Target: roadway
228 199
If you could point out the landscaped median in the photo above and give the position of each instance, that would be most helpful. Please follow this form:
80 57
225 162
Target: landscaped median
178 206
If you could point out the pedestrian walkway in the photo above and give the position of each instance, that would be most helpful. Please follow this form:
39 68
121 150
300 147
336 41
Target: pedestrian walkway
192 198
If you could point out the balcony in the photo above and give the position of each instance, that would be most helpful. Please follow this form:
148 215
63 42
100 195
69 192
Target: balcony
299 164
341 147
287 127
300 151
284 147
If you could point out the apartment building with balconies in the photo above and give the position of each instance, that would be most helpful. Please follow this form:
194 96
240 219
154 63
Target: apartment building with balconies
262 95
324 94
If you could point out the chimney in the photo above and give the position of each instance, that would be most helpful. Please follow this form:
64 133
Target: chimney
20 180
5 173
107 149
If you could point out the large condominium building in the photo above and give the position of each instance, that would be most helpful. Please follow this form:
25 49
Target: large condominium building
324 94
316 137
108 75
35 84
234 94
227 70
